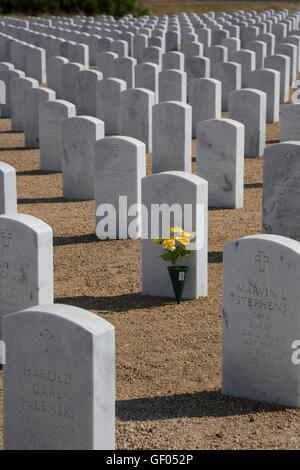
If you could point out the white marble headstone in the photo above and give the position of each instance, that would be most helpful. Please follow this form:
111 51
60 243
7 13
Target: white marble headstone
58 380
87 91
18 88
220 161
267 80
261 299
172 86
290 123
230 75
248 106
54 74
8 189
120 165
205 99
281 63
172 137
136 115
108 104
33 97
51 115
26 263
161 194
79 135
281 191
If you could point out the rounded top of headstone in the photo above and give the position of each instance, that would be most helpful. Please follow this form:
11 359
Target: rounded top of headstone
265 72
58 104
25 220
137 91
172 104
15 73
223 122
251 92
78 316
120 139
275 239
42 91
182 175
82 119
6 168
24 81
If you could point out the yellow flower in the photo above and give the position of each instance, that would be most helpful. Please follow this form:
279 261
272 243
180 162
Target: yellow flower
169 245
157 241
188 235
183 240
176 230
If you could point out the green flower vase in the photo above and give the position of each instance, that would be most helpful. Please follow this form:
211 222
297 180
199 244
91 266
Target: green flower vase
178 275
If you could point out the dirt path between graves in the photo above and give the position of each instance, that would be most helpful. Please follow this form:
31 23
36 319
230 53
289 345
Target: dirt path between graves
168 357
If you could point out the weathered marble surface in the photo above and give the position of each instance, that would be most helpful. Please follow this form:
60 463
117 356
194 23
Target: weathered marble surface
267 80
230 75
79 135
51 115
108 104
120 165
58 380
165 191
8 189
261 299
281 190
281 63
290 123
18 88
172 137
220 161
205 99
172 86
248 106
33 97
136 115
26 262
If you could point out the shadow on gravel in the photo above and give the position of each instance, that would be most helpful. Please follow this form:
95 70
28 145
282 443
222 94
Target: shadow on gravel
13 149
190 405
77 239
117 303
252 185
48 200
36 172
215 257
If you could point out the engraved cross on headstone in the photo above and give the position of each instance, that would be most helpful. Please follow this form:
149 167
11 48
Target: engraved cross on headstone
115 150
47 336
6 235
289 157
262 259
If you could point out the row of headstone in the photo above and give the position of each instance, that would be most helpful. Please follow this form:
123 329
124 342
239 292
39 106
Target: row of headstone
48 390
26 275
24 56
164 33
52 323
130 112
115 168
67 145
194 58
48 45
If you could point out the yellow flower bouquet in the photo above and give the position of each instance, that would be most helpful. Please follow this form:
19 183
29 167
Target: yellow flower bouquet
175 246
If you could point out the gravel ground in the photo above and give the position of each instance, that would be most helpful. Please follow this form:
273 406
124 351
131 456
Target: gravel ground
168 356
